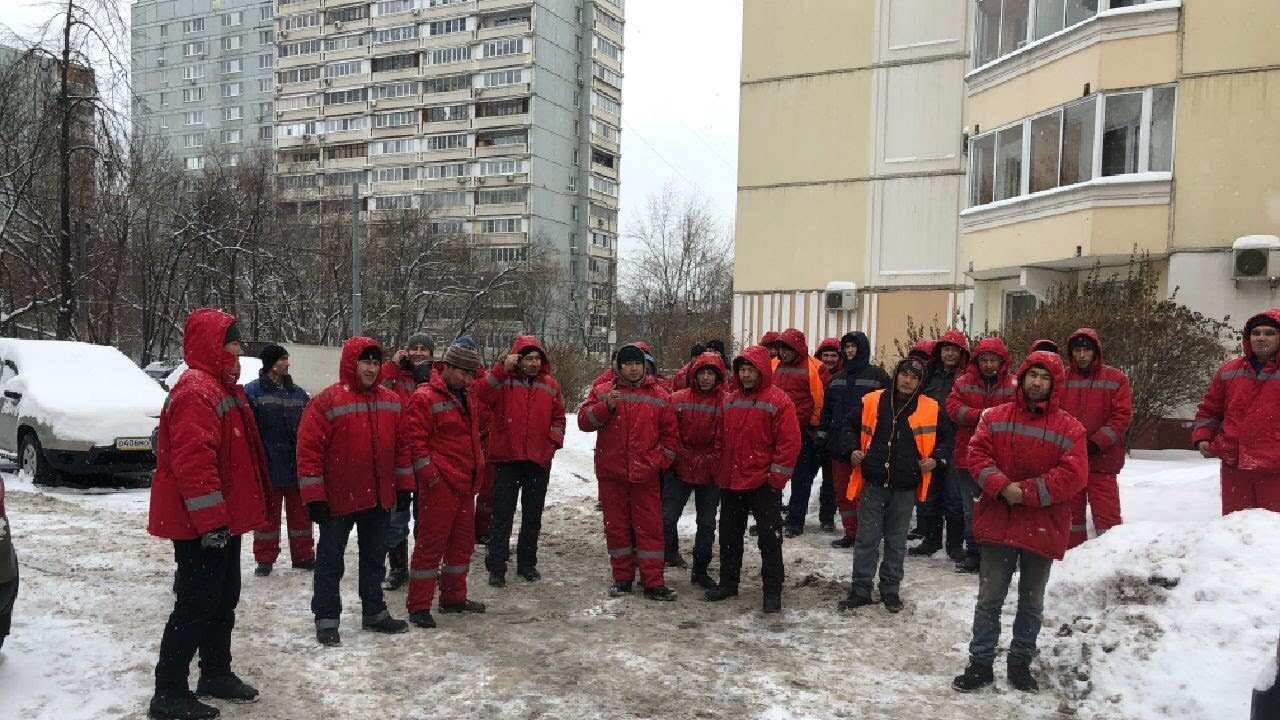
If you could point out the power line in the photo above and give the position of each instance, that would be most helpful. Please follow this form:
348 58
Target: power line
661 157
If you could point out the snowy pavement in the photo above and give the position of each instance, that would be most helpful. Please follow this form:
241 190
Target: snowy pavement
95 595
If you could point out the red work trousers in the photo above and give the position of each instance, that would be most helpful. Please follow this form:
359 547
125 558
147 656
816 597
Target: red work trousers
484 501
1102 495
266 545
840 475
446 532
633 529
1245 489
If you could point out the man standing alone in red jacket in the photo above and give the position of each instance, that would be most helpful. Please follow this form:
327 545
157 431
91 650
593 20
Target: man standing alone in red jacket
209 489
636 440
758 441
527 428
1029 457
350 475
1098 396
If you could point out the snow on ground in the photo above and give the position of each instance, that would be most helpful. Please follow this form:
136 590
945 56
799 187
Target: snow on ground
95 596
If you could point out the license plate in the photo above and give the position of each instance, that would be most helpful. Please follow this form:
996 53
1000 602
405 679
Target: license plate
133 444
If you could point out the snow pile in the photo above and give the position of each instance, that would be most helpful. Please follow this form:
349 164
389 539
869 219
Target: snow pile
1166 620
249 367
84 392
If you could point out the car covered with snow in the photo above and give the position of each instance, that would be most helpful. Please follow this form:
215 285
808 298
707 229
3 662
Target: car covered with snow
75 408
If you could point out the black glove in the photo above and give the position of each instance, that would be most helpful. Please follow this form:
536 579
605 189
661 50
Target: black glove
318 511
820 440
404 501
216 539
1094 449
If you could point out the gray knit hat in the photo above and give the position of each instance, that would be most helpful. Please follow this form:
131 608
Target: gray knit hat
421 338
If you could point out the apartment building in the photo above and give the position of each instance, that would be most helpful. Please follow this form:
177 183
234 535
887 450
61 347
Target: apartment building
851 166
202 75
1101 126
500 117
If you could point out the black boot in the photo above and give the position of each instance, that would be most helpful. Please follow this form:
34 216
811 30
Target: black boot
700 578
793 531
969 565
328 637
227 687
976 676
853 602
466 606
530 574
718 593
932 528
1021 679
397 567
892 602
659 592
180 705
772 601
422 619
843 543
263 569
676 560
955 538
497 579
620 588
384 623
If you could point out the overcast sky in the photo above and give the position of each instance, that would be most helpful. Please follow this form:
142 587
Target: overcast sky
680 97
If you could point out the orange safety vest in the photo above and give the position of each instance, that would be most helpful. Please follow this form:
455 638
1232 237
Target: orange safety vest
816 389
924 428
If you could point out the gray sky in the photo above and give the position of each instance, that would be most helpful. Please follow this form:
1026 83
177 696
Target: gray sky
680 97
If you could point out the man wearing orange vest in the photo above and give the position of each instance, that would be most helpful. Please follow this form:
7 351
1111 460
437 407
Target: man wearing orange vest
804 379
904 439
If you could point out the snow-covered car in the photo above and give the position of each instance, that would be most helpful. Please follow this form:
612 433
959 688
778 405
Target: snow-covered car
249 367
1266 693
76 408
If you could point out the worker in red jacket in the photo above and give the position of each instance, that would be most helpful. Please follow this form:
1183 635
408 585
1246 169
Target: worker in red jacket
209 488
351 474
528 422
684 376
1030 458
804 379
985 384
399 376
758 441
1098 396
1238 422
443 446
637 439
768 342
698 411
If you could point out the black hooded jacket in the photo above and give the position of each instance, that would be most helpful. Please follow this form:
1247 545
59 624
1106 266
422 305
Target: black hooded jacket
839 423
902 457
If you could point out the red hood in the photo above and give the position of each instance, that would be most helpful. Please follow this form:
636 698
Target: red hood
758 358
1092 335
643 346
1273 313
706 360
769 338
794 339
351 351
1051 343
991 345
202 345
524 342
954 337
925 346
1051 362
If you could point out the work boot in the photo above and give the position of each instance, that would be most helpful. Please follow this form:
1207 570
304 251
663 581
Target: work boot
969 565
827 525
660 592
328 636
384 624
976 676
772 601
793 531
676 560
482 539
227 687
932 527
720 592
466 606
180 705
620 588
892 602
497 579
955 537
700 578
305 564
422 619
263 569
530 574
843 543
397 567
1020 677
854 601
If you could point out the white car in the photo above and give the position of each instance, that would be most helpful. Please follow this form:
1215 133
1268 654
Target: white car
77 409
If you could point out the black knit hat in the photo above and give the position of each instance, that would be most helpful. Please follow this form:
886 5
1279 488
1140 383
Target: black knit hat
271 354
911 364
233 333
1263 321
628 353
1082 341
373 352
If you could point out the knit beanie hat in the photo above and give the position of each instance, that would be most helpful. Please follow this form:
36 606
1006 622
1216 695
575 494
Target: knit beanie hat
421 338
461 356
233 333
1264 321
271 354
629 353
373 352
1083 341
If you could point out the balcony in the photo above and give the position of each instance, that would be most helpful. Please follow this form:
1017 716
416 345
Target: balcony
490 33
502 61
504 209
293 61
337 138
486 6
395 188
603 116
444 126
441 184
607 33
299 33
439 156
451 97
297 167
606 61
298 7
501 150
485 123
513 90
604 171
519 238
354 53
395 159
296 141
385 76
398 131
605 144
431 42
498 181
599 252
397 103
403 18
395 48
298 115
355 163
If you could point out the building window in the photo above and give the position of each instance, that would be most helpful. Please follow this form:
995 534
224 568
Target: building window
444 56
1017 305
233 113
195 163
297 102
1046 146
395 34
1161 143
393 202
445 113
444 171
507 21
298 75
395 119
499 78
232 19
192 49
609 50
452 198
344 179
1121 130
1078 123
1009 163
347 14
502 108
502 196
393 147
603 240
395 90
264 85
265 12
607 75
608 20
446 27
193 141
346 152
265 132
231 137
305 47
508 254
193 72
231 89
344 124
342 97
501 167
606 103
193 118
164 30
448 83
343 69
232 66
193 95
344 42
391 7
394 174
445 142
395 62
297 22
504 46
164 98
1004 26
296 129
266 37
190 26
500 225
164 122
266 60
235 42
604 185
605 131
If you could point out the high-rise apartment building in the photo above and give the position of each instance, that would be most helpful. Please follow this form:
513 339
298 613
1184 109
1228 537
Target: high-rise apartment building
202 76
500 117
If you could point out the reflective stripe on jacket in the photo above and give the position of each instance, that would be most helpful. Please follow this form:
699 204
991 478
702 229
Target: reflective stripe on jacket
924 429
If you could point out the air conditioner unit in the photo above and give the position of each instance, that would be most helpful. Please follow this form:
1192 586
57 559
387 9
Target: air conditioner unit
284 34
417 11
337 24
373 103
580 82
1255 257
462 180
510 178
480 180
160 62
306 137
841 296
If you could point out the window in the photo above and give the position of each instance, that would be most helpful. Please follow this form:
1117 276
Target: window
298 75
265 132
193 141
395 62
297 181
452 198
164 98
600 239
160 56
265 12
446 27
606 103
231 89
164 31
502 108
305 47
606 75
266 37
1161 143
296 129
500 225
192 49
608 49
164 121
1004 26
444 171
395 34
1046 145
393 202
347 14
600 212
1017 305
346 152
394 174
193 95
193 72
193 118
444 113
498 78
297 102
394 90
235 42
233 19
344 179
390 7
504 46
1009 163
446 227
442 3
501 167
195 163
344 124
445 142
604 185
444 56
395 119
1077 142
508 254
344 42
605 130
608 21
341 97
503 138
343 69
1121 128
231 137
265 85
448 83
266 60
233 113
393 147
501 196
507 21
296 22
232 66
264 108
190 26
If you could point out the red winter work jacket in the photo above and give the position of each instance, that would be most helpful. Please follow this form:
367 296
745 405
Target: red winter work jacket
1099 398
527 414
210 464
1044 451
759 437
636 440
698 415
804 381
1240 414
972 394
347 452
397 380
442 438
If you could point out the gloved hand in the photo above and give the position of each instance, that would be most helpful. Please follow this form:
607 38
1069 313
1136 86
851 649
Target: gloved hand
318 511
820 440
1094 449
216 538
404 501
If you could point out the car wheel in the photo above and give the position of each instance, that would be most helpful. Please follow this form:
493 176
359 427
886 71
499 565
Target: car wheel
32 462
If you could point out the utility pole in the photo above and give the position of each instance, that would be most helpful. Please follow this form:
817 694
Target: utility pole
357 311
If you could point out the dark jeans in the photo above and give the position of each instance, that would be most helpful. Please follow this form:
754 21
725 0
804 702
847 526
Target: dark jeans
807 466
994 576
827 494
969 491
526 481
208 589
944 500
883 515
371 535
706 498
762 504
